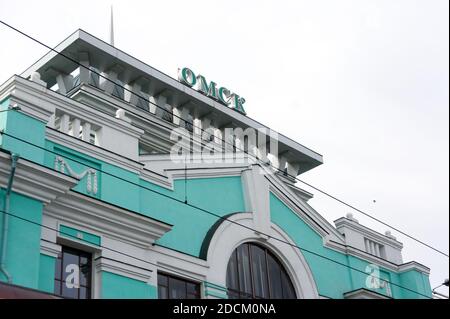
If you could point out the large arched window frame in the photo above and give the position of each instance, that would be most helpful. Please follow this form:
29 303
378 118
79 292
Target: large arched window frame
229 235
254 272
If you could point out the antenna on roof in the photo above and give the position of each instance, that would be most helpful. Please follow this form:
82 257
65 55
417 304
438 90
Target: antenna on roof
111 28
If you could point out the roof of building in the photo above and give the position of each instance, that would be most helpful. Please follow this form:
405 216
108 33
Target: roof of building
104 57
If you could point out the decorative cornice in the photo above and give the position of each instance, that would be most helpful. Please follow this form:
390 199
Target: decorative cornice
46 101
367 232
92 150
126 270
107 219
413 265
50 249
34 180
364 294
21 95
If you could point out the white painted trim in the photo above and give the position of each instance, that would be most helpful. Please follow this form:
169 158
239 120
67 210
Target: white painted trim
118 268
50 249
111 220
92 150
229 236
412 265
140 69
35 181
368 233
364 294
21 96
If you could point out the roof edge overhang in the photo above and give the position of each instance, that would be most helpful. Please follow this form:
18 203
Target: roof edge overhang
105 56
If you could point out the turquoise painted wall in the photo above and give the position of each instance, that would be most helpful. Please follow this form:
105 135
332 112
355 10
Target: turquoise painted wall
23 248
79 235
415 281
221 196
334 279
46 273
119 287
23 127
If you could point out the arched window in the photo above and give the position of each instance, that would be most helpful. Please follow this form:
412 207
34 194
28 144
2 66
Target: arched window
254 272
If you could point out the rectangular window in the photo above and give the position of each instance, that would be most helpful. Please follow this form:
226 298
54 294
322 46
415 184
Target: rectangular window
73 274
170 287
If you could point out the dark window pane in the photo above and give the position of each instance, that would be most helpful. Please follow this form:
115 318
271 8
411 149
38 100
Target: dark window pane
162 292
192 288
94 77
69 292
70 261
162 280
167 114
84 293
57 289
245 282
254 273
177 289
276 290
288 289
76 271
259 271
85 273
142 101
232 273
118 90
233 294
58 268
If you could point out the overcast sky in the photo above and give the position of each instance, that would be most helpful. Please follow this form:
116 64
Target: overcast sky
364 83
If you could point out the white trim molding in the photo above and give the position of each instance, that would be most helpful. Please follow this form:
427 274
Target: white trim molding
111 220
364 294
35 181
229 236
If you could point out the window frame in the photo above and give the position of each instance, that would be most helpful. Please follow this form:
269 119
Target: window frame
169 276
240 293
89 280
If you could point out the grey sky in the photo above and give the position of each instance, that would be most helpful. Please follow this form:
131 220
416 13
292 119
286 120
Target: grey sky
365 83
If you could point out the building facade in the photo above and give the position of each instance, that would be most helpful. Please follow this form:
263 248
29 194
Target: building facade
118 181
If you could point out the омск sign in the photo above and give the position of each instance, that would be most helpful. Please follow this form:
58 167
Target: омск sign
211 89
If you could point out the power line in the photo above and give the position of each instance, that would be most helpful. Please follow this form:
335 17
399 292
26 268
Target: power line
105 247
223 140
196 279
209 212
246 152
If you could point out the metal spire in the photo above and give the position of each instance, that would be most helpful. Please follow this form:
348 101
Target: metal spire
111 29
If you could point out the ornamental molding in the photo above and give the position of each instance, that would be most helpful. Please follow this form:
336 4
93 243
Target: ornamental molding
122 269
91 182
92 150
106 219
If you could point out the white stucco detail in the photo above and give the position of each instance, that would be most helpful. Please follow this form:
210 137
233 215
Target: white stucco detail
370 241
256 197
229 236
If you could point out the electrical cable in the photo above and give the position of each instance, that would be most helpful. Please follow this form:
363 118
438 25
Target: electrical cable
108 248
223 140
196 279
206 211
